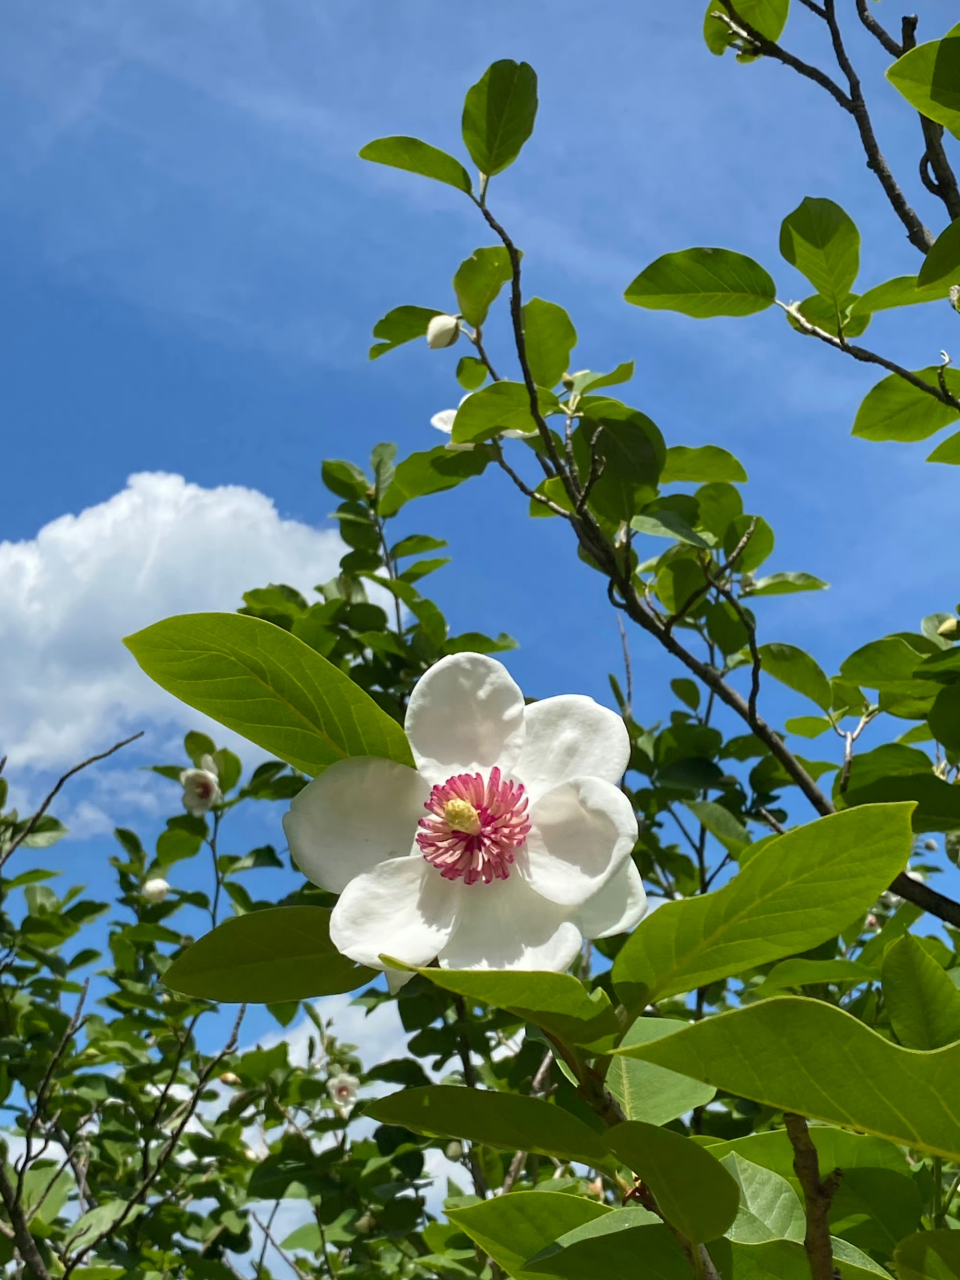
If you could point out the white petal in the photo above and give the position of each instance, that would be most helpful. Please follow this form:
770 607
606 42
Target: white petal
618 906
465 715
356 814
459 448
505 925
583 832
571 737
403 908
443 420
519 435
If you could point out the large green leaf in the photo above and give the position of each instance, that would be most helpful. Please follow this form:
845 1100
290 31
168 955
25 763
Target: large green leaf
550 337
895 771
267 957
922 1002
777 905
625 1245
631 450
806 1056
904 291
708 462
418 157
498 1119
928 1255
649 1093
510 1229
948 451
787 1260
431 472
703 283
836 1148
766 16
498 115
942 263
479 280
721 823
398 326
797 670
268 686
694 1192
769 1207
944 717
502 406
822 241
557 1002
897 410
929 78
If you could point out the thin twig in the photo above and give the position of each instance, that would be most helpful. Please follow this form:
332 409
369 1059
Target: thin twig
265 1228
32 824
627 665
480 1184
817 1195
873 26
725 568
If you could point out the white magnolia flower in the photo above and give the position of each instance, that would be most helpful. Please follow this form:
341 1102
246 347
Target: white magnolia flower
155 890
443 331
507 845
343 1089
201 787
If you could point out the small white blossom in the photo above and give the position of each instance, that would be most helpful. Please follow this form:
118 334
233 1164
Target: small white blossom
507 845
201 787
443 331
155 890
343 1089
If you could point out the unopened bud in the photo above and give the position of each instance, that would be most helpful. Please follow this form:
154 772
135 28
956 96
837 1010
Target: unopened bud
442 331
567 381
950 629
365 1224
955 296
155 890
250 1153
453 1151
230 1077
931 846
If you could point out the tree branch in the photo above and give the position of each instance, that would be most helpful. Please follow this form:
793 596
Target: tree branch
943 184
26 1245
873 26
817 1196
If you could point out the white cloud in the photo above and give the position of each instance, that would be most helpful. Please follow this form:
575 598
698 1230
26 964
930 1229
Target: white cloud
161 546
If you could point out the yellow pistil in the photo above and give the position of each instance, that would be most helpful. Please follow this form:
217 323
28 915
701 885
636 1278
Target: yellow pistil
462 816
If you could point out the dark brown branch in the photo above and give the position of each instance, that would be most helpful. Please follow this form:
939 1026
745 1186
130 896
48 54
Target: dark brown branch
26 1245
873 26
817 1196
770 49
943 182
32 824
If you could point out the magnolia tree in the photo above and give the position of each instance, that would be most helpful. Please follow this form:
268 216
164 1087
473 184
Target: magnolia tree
759 1079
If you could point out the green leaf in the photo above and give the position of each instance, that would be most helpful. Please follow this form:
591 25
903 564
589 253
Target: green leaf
557 1002
280 953
766 16
787 1260
944 717
904 291
929 78
510 1229
498 115
478 281
398 326
586 379
759 547
631 450
805 973
268 686
418 157
897 410
688 691
695 1193
928 1255
947 451
434 471
649 1093
836 1148
550 337
807 726
721 824
798 671
887 664
471 373
823 243
498 1119
628 1244
781 584
803 1055
894 771
774 907
198 745
662 522
502 406
922 1002
844 317
708 462
703 283
942 263
345 479
475 642
769 1207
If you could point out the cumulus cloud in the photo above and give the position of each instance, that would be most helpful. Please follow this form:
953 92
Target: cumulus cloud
161 546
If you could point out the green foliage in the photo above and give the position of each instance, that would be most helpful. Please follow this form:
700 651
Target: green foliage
922 1003
550 338
649 1093
942 263
702 283
498 115
769 17
418 157
897 410
928 77
823 243
398 326
479 280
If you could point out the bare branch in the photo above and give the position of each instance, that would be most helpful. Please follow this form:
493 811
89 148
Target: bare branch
873 26
817 1196
936 172
25 1242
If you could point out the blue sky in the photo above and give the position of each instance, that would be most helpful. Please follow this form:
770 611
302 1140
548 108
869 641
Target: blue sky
192 259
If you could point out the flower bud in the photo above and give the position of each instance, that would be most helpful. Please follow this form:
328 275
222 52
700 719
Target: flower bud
931 846
365 1224
230 1077
155 890
950 629
250 1153
442 331
453 1151
201 787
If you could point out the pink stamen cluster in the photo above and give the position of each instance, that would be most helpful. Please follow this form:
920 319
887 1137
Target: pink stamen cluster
501 809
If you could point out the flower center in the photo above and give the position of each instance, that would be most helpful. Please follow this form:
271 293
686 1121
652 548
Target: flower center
474 828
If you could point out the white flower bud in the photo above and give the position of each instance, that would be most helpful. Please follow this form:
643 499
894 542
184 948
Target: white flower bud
230 1077
931 846
949 629
365 1224
442 331
343 1089
201 787
155 890
453 1151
